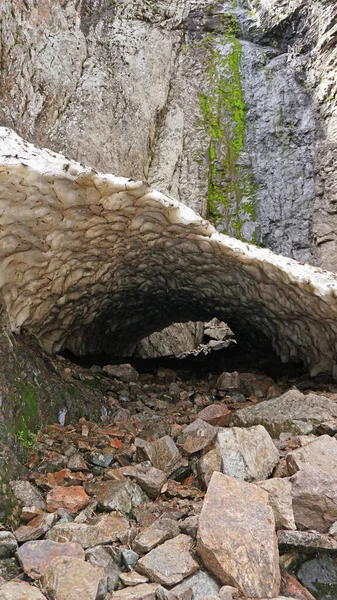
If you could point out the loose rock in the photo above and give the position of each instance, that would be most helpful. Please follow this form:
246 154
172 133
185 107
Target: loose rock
169 563
235 525
247 453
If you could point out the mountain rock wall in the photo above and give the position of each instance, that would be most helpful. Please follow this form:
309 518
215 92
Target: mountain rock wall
228 106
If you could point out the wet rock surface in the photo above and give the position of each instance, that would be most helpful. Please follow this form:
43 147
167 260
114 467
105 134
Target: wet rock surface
145 529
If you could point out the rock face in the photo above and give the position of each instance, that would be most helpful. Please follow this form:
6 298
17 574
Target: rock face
236 537
77 212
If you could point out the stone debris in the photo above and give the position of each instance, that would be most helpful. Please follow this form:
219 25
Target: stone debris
306 540
235 524
169 563
280 499
320 454
129 504
100 530
314 496
126 372
20 591
67 577
247 453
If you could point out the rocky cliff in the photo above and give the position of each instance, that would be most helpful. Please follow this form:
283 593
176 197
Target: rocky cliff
229 107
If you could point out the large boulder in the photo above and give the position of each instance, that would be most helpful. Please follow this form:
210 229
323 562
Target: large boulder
247 453
292 412
320 453
314 496
236 537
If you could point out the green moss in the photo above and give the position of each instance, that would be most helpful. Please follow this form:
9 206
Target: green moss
230 186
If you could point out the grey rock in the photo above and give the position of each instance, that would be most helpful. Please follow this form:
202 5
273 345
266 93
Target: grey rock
280 499
120 496
36 556
197 436
200 583
247 453
163 454
292 412
150 479
157 533
130 558
207 464
100 530
99 459
8 544
104 557
190 526
26 493
169 563
36 528
15 590
320 453
124 372
306 540
228 382
319 576
314 496
144 591
133 578
72 578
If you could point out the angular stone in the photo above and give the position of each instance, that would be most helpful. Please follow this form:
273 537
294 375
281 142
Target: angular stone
255 385
120 496
72 498
320 454
130 558
14 590
77 463
291 587
207 464
104 557
145 591
228 381
157 533
28 513
292 412
163 454
215 414
8 544
99 459
319 575
201 584
36 528
133 578
73 578
169 563
150 479
100 530
305 540
197 436
36 556
27 494
314 496
190 526
227 592
125 372
280 499
247 453
236 538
